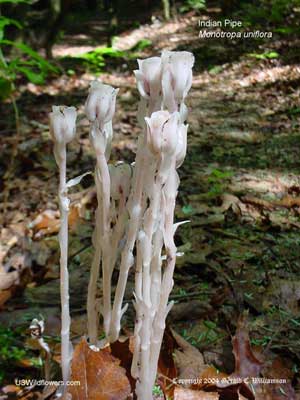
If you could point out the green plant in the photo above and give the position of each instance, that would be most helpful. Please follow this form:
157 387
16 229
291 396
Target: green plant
217 180
268 55
156 391
10 350
95 60
27 63
273 11
193 5
141 45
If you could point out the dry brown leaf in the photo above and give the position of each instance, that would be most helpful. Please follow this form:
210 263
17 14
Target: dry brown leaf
47 223
189 361
4 296
121 349
99 373
246 364
187 394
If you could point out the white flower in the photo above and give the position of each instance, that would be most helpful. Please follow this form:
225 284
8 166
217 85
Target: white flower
148 77
177 77
63 124
120 176
101 103
162 134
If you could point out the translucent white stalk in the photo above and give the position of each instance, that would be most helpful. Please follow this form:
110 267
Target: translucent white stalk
127 259
101 238
92 306
62 129
104 180
143 342
169 202
64 273
100 108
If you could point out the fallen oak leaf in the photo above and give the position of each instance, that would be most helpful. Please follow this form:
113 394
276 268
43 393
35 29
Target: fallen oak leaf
188 360
247 366
246 363
122 350
99 374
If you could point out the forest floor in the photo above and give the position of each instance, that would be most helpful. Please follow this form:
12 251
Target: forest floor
240 189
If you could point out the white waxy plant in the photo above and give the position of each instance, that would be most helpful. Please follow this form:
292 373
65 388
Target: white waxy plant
166 139
100 109
136 204
63 130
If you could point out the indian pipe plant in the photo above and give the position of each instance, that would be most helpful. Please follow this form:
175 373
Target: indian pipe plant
134 225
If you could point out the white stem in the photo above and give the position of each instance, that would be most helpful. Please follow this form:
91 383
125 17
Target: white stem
64 274
149 222
166 285
135 366
148 252
104 179
135 211
92 311
118 230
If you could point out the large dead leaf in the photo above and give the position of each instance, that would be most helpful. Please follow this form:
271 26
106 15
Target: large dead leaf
99 373
187 394
121 349
246 364
189 361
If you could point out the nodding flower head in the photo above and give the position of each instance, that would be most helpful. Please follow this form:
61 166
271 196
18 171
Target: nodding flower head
162 135
176 77
63 124
101 103
148 77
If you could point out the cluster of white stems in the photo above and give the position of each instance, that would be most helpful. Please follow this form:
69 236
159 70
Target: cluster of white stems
134 225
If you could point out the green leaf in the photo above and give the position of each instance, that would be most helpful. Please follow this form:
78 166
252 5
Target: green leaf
42 63
5 22
264 56
141 45
16 1
32 76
